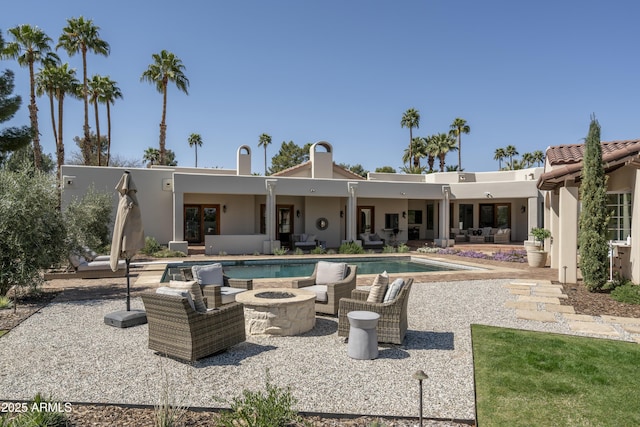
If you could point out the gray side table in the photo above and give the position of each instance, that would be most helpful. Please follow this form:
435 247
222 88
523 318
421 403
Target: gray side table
363 337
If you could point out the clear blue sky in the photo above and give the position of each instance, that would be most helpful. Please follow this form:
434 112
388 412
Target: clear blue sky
527 74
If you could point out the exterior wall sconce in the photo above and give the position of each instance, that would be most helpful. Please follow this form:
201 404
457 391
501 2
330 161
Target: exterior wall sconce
341 214
224 208
298 213
404 214
488 195
523 209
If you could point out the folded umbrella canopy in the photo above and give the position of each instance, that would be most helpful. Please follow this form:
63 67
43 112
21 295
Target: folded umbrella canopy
128 238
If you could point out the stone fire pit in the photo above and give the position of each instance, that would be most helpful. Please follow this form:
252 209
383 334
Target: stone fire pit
278 311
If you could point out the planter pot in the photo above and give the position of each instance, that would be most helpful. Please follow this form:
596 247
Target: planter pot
537 258
532 245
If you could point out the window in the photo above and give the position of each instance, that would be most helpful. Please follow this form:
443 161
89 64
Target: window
465 216
415 217
430 215
495 215
200 220
366 219
619 207
391 221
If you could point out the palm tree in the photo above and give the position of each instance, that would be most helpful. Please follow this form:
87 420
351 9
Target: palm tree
538 157
82 36
417 151
444 143
432 151
166 68
511 151
151 156
110 92
458 127
410 119
58 81
30 45
499 155
96 89
195 140
264 140
527 160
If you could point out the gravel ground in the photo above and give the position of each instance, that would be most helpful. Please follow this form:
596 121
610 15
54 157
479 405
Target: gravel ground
65 351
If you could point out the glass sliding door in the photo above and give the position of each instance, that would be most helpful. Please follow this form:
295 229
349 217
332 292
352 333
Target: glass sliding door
200 220
366 216
192 217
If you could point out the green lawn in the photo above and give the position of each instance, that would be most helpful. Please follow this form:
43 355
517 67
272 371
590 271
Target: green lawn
526 378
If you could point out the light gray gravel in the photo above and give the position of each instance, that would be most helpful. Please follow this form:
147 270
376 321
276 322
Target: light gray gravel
67 352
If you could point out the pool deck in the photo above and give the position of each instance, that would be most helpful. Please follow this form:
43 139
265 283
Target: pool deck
146 275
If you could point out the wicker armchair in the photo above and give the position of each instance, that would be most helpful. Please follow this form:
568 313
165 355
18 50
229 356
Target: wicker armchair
335 291
215 294
392 325
177 330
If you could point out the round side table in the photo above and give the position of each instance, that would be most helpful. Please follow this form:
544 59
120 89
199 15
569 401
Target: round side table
363 337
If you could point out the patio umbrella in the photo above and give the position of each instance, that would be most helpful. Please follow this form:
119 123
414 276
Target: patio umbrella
128 238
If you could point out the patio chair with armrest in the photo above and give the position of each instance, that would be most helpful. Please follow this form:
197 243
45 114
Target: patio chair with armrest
392 325
176 329
216 286
331 281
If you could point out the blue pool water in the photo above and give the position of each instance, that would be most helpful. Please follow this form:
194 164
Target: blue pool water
283 268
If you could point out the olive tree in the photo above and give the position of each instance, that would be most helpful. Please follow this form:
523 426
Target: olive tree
87 221
31 226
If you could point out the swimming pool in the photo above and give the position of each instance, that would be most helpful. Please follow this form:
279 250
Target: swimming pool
283 268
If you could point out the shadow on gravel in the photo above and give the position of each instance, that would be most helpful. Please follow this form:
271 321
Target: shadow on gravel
426 340
233 356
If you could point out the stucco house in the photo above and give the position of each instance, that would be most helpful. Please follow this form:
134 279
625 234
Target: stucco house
240 213
561 182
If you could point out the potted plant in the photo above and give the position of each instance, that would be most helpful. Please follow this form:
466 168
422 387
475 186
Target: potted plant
538 257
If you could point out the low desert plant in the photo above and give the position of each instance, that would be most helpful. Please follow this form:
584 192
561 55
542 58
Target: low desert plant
318 250
402 248
298 251
151 246
272 407
167 253
5 302
167 413
628 293
350 248
388 249
280 251
38 412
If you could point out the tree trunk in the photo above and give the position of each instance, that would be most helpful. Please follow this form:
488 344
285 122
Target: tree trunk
33 115
99 143
163 124
108 133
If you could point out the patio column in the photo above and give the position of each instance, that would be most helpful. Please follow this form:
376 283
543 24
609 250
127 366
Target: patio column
444 226
178 216
270 215
635 230
352 205
553 224
568 234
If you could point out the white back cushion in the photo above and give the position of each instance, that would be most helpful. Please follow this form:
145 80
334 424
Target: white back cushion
210 274
165 290
330 272
393 290
194 290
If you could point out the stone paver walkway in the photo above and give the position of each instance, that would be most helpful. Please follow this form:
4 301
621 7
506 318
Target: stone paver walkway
540 300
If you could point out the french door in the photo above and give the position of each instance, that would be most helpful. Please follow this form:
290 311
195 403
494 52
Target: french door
200 220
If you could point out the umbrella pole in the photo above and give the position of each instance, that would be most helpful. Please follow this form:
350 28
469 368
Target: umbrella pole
127 261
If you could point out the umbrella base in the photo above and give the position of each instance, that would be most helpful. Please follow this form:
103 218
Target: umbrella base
126 319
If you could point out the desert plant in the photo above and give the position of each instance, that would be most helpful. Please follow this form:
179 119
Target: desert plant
151 246
388 249
167 413
594 218
350 248
318 250
87 221
402 248
272 407
280 251
298 251
42 412
627 293
5 302
168 253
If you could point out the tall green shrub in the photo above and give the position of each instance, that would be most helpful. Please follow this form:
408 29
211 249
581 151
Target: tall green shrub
31 227
593 217
87 221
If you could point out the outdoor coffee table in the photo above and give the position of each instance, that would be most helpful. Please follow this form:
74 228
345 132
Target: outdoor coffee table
278 311
363 337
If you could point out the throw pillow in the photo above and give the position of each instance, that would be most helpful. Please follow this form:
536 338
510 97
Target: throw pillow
208 274
375 238
194 289
365 237
393 290
378 288
311 238
165 290
330 272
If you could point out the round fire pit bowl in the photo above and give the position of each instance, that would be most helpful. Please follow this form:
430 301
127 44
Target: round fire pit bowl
278 311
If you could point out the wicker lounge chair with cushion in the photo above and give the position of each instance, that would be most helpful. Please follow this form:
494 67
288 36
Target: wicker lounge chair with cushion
503 235
392 325
330 281
304 241
176 329
371 241
88 268
216 286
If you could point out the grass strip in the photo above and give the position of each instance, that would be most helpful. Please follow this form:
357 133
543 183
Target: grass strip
526 378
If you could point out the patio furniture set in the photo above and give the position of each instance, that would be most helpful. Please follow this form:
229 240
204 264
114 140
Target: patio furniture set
481 235
208 312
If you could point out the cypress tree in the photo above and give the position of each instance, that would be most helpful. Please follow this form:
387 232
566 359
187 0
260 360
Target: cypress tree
592 237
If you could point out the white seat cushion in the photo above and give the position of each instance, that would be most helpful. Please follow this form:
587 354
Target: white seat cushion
228 294
330 272
320 291
165 290
210 274
99 265
393 290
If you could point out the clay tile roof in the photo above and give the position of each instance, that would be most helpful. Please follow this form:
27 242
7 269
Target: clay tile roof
566 160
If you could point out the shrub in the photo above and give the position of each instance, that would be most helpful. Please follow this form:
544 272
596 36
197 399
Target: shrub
5 302
388 249
280 251
350 248
36 417
628 293
318 250
31 226
402 248
167 253
151 246
272 407
298 251
87 221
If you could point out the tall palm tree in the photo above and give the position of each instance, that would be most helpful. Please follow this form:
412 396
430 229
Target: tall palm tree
110 92
58 81
82 36
538 157
432 151
195 140
417 151
527 160
410 119
444 143
166 68
264 140
97 86
30 45
511 151
458 127
151 156
499 155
